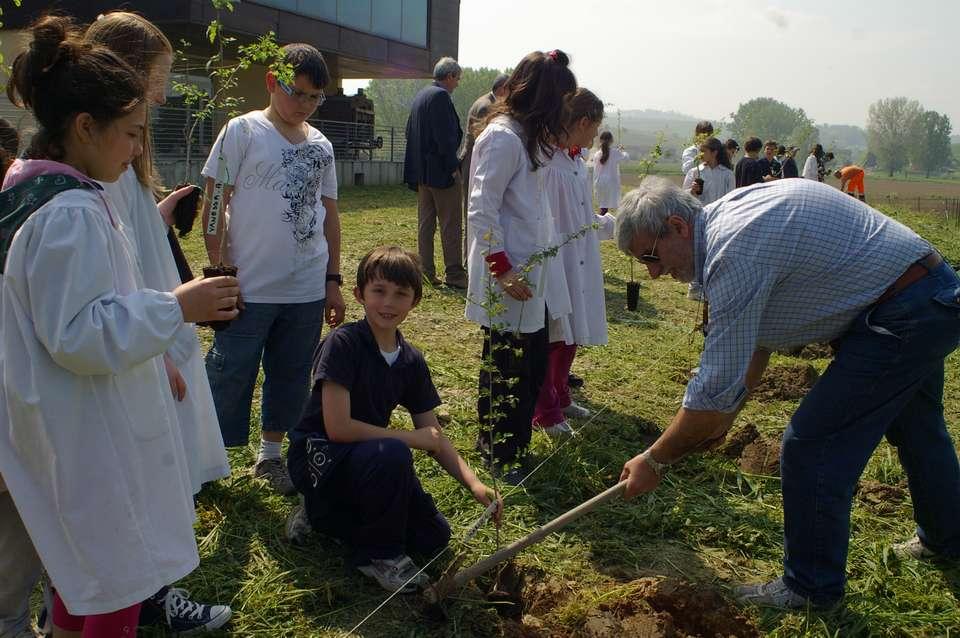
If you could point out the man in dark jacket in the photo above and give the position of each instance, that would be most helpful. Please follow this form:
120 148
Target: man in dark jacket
431 167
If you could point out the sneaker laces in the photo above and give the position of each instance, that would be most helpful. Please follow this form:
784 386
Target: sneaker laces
178 604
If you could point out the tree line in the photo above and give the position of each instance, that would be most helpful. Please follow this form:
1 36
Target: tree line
900 133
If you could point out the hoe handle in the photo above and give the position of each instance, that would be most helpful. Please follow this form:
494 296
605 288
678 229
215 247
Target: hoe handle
508 552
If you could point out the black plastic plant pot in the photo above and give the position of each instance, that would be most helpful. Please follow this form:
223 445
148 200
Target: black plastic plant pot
633 294
217 271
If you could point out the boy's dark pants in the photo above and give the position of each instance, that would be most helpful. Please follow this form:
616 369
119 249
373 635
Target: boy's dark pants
372 501
520 359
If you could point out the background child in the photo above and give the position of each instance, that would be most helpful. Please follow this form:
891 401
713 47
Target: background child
572 209
507 223
606 172
284 236
144 47
80 455
355 472
748 169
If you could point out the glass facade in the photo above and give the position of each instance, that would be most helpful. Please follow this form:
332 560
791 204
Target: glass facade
402 20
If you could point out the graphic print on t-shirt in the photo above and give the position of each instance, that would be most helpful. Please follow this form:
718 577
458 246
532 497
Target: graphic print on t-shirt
303 167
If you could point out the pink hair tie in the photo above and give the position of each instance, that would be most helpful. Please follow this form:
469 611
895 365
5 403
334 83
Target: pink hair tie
553 55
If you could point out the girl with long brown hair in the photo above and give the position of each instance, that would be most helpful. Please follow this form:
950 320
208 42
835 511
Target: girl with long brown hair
507 224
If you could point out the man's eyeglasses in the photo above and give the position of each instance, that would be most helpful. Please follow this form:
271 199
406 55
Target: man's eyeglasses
314 98
651 257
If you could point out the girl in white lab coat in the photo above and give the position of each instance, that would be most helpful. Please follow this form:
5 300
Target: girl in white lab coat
606 172
145 48
507 223
572 209
89 446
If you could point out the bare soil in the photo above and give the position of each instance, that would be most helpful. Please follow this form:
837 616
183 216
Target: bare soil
652 608
761 456
881 498
737 440
785 383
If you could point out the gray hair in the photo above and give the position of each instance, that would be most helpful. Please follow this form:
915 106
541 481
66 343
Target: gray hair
445 67
646 209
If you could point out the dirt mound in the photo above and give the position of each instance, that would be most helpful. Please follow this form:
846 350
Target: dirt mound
761 456
755 453
668 608
737 440
785 383
880 498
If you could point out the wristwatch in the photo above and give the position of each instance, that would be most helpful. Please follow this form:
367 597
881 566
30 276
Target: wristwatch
658 468
338 278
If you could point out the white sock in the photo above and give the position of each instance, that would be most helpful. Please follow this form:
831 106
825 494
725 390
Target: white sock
268 450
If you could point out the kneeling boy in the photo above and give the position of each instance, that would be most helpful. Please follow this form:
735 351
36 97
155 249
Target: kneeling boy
355 473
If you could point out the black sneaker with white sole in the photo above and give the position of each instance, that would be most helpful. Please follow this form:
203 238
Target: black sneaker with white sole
171 607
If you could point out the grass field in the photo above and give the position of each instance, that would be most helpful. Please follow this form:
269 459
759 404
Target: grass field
712 524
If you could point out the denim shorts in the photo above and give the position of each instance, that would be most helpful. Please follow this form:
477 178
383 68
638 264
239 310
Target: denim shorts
281 336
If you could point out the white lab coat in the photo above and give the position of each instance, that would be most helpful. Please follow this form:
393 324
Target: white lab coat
197 415
606 177
89 446
569 199
811 169
717 182
507 211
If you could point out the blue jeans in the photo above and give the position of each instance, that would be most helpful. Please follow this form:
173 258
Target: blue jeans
886 380
284 337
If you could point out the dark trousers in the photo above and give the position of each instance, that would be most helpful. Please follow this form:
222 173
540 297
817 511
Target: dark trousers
885 381
520 362
372 501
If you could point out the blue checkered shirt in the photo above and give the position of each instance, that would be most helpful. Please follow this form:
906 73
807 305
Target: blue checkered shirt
784 264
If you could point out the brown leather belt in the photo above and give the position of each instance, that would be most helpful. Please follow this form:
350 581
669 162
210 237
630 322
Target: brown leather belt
917 271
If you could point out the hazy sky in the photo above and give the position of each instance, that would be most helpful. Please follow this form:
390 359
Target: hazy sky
705 57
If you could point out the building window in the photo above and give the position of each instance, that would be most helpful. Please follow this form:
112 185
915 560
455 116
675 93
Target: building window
402 20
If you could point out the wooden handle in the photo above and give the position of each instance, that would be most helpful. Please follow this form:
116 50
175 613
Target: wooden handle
466 575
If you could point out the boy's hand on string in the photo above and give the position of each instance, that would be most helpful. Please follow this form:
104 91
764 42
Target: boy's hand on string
514 285
485 496
177 383
168 203
213 299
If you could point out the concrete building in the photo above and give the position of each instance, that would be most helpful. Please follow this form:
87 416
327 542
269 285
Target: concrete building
359 39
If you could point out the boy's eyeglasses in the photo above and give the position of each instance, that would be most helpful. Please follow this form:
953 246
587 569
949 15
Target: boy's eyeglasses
309 98
651 257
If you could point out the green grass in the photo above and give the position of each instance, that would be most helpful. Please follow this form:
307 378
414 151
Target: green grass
708 523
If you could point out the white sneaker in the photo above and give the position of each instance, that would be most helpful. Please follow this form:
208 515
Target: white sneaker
298 526
575 411
558 430
913 548
396 574
694 294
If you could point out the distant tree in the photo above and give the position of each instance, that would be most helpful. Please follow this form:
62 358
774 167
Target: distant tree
771 119
392 98
930 142
869 160
890 122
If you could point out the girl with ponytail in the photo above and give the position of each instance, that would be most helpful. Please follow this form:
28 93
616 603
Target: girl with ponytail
89 449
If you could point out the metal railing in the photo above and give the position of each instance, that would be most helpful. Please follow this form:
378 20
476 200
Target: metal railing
351 141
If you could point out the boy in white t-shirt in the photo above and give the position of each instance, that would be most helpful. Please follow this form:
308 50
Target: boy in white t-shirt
283 235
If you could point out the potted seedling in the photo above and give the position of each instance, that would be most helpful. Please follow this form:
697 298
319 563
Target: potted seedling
646 165
218 230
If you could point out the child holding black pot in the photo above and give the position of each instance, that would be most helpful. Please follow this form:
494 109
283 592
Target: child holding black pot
89 447
507 224
569 201
145 48
280 190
